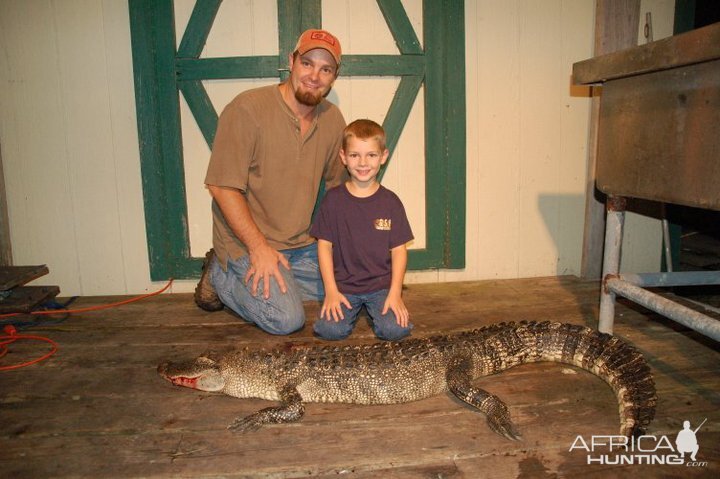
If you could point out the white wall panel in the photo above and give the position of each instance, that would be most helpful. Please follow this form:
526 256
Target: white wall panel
91 171
527 138
36 153
125 151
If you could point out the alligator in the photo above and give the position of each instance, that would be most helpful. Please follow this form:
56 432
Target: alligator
413 369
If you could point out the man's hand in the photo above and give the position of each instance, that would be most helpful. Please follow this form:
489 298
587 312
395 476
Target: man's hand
263 258
263 266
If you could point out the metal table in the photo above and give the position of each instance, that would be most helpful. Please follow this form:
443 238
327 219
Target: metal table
659 140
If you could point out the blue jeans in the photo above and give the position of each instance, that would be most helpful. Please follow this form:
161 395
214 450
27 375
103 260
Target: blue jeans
280 313
385 325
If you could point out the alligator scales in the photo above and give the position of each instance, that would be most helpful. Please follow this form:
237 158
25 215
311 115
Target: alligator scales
399 372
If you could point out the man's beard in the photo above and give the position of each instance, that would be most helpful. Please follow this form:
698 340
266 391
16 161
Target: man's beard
309 99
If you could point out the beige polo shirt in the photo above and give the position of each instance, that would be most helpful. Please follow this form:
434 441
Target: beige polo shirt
258 150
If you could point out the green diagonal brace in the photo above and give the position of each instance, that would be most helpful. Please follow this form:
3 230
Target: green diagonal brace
400 26
201 107
198 28
399 111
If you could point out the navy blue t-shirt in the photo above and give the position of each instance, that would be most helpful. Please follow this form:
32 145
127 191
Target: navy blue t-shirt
362 232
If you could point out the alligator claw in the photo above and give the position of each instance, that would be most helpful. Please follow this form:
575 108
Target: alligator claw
289 412
503 426
246 424
498 419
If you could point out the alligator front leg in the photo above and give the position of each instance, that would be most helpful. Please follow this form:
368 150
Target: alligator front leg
291 409
459 383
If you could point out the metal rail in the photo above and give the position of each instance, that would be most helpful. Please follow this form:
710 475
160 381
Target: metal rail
694 320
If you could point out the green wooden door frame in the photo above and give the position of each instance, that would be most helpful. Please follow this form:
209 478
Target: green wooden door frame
161 73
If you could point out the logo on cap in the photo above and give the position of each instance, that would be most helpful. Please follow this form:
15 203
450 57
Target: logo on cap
323 36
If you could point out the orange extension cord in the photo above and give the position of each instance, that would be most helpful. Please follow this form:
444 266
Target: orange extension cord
12 336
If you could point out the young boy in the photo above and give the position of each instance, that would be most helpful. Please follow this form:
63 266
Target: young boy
362 230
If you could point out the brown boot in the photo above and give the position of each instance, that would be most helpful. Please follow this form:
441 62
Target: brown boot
205 296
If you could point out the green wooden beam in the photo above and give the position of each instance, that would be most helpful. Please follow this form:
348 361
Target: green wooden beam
400 26
152 23
310 16
226 68
289 29
419 259
456 134
445 129
266 66
294 17
198 28
383 65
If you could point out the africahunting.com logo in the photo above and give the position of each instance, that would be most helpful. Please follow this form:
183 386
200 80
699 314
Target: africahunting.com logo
646 449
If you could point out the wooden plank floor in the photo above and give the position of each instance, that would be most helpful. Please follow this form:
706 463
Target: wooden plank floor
98 408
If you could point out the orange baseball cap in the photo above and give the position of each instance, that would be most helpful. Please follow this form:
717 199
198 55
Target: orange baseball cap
311 39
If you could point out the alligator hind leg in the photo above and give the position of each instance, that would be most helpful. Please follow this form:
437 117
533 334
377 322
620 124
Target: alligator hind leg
459 383
290 410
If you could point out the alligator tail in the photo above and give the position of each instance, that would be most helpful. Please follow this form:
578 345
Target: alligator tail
618 363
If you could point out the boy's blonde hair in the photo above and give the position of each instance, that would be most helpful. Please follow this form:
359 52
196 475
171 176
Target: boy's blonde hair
364 130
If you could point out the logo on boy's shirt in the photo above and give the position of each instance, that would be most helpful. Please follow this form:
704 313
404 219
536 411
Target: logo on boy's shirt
383 224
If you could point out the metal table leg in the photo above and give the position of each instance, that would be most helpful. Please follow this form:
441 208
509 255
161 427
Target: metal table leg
615 220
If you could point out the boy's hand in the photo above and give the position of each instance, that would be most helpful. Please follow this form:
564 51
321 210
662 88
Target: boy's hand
332 306
397 305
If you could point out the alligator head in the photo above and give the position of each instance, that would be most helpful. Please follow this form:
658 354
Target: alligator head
202 373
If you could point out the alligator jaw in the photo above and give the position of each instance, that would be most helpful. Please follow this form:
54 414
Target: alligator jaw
187 382
201 374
